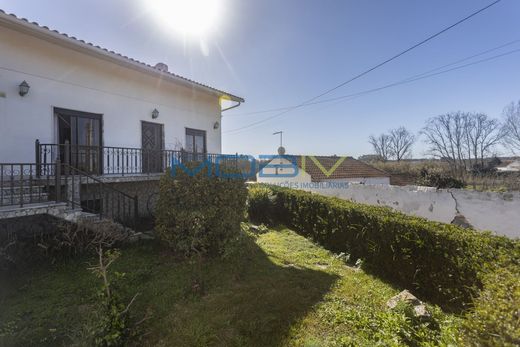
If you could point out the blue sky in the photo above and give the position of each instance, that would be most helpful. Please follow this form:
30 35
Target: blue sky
278 53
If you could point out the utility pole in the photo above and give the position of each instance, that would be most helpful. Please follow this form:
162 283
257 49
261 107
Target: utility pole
281 137
281 149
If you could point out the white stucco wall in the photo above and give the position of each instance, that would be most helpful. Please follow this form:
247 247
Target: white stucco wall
64 78
498 212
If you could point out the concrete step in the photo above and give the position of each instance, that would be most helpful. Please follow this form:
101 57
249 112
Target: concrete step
77 214
7 183
27 199
17 190
48 207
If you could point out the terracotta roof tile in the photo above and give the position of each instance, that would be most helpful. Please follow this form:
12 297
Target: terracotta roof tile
348 168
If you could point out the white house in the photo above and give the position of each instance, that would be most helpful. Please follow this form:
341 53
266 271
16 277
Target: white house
90 96
70 108
295 170
511 167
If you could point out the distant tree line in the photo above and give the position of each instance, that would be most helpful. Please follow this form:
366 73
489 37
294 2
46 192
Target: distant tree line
461 139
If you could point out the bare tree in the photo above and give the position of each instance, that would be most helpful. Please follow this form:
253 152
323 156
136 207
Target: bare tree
401 141
462 139
445 136
381 145
511 127
482 135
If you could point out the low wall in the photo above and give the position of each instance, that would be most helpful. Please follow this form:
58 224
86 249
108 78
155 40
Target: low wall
27 226
498 212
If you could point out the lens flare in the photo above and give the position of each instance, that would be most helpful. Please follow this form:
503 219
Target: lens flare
190 18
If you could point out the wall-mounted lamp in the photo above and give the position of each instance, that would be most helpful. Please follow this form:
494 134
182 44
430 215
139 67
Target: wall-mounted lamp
216 125
155 113
23 88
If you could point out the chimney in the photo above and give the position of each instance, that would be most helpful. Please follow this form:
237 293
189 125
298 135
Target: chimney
161 67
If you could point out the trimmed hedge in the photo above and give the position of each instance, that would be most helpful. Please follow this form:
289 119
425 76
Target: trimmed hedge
199 214
261 204
441 262
495 318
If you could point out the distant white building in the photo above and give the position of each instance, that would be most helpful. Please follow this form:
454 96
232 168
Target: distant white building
511 167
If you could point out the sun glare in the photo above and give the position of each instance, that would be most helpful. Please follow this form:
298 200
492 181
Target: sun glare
190 18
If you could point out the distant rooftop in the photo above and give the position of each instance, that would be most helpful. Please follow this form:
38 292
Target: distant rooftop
348 168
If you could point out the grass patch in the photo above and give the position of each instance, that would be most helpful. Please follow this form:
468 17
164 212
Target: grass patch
287 291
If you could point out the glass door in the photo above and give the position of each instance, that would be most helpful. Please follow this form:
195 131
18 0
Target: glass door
195 144
79 136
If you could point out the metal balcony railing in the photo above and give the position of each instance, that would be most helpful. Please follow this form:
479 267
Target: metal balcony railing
22 184
108 160
27 183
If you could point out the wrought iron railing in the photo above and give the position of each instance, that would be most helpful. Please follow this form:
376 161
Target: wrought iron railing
51 180
94 196
27 183
108 160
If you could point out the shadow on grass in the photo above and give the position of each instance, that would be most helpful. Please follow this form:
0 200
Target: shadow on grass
245 300
404 278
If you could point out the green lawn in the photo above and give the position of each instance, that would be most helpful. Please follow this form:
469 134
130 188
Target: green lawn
286 291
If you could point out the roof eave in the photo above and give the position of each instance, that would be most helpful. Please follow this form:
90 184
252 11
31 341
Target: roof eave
53 36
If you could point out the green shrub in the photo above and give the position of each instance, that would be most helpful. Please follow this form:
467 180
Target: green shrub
239 251
199 213
441 262
110 326
260 204
438 180
495 318
57 240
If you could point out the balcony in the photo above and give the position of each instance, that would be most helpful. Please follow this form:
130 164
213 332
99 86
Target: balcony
82 176
121 161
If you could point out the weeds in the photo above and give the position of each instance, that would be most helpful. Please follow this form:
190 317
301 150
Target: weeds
111 326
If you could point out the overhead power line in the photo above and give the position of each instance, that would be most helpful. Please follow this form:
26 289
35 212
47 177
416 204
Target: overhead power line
422 76
411 78
370 69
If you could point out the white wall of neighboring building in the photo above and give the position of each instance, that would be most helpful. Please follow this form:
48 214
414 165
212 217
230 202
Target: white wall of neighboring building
64 78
